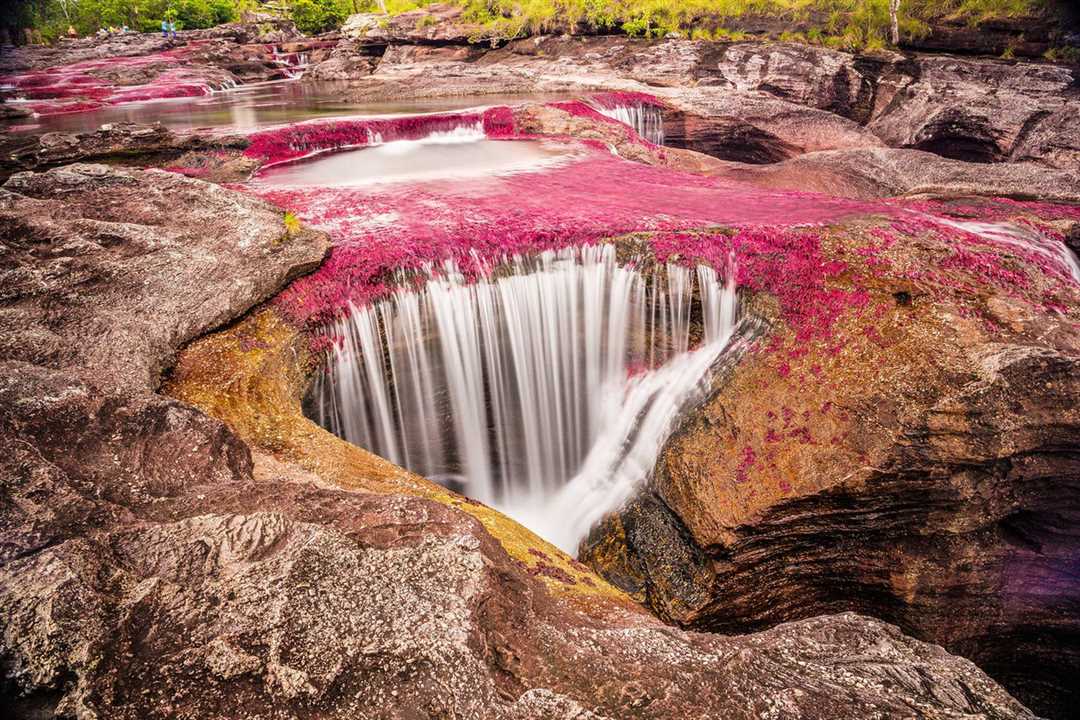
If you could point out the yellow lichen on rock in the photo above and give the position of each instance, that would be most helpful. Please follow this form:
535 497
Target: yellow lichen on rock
252 376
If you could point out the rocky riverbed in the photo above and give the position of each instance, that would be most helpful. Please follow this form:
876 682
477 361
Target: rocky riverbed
872 512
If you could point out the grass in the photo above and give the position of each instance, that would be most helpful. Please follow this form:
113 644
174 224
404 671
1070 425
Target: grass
855 24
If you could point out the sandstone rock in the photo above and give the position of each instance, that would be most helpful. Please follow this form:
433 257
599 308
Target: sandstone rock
980 110
1022 35
348 60
102 252
755 127
891 172
66 51
839 82
131 142
920 466
437 23
145 573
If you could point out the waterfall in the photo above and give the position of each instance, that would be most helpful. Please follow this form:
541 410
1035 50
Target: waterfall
463 133
544 389
647 120
292 64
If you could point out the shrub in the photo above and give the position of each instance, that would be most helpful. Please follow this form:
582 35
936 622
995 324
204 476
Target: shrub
317 16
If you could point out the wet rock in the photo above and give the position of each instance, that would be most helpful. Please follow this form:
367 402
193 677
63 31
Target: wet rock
116 142
66 51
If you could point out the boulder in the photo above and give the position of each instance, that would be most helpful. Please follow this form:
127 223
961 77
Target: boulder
920 463
108 254
116 142
983 110
437 23
754 127
839 82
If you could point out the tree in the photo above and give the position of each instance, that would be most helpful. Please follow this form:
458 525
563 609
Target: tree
315 16
894 21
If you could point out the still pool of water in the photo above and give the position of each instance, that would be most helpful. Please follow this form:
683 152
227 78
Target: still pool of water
463 153
250 107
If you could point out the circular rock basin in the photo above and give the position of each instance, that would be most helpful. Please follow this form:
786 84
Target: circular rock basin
451 155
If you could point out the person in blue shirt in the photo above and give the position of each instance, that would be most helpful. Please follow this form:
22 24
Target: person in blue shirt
164 28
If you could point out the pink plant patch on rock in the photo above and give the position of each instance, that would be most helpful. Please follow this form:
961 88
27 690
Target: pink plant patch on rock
91 84
384 233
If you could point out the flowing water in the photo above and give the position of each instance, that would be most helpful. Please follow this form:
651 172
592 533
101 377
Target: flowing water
544 389
647 120
1025 238
258 105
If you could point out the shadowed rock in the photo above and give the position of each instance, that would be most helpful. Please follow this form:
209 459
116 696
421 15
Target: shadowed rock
922 466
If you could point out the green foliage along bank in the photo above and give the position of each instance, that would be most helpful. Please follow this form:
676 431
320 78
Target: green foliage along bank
855 24
53 17
847 23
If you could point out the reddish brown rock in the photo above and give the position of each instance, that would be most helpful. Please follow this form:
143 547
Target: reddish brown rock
146 572
123 143
107 254
920 465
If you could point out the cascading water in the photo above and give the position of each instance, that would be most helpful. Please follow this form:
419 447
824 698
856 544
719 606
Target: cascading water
293 64
647 120
465 133
1021 237
544 389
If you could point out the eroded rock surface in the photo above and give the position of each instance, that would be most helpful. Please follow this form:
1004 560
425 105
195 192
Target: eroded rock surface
142 145
98 264
921 465
763 102
146 573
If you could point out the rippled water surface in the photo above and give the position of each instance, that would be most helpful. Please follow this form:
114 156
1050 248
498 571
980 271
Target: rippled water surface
258 105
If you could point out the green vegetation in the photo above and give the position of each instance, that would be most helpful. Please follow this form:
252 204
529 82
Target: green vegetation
316 16
837 23
53 17
292 224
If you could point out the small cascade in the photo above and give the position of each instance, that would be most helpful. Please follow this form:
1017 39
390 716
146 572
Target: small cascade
647 120
463 133
293 64
555 371
226 85
1025 238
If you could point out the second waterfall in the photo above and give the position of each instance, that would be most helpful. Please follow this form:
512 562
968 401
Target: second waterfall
551 381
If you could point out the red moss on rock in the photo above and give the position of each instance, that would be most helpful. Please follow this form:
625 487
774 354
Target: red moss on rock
775 238
611 100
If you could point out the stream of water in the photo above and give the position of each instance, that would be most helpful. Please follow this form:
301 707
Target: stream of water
258 105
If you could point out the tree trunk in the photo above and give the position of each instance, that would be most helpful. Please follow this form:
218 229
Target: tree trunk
894 10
